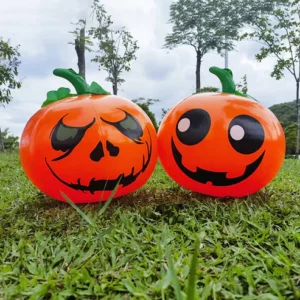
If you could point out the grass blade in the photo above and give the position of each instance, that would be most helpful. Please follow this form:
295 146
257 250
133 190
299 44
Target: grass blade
111 197
103 191
191 287
173 274
83 215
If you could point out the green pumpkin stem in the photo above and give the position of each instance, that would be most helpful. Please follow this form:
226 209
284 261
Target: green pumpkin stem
228 85
225 76
79 84
77 80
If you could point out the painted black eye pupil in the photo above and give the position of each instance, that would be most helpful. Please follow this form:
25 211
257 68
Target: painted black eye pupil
193 126
246 134
128 126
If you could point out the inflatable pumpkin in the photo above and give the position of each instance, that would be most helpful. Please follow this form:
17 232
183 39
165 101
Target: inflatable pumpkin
221 144
84 144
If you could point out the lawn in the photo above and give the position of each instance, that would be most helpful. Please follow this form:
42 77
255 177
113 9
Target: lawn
142 246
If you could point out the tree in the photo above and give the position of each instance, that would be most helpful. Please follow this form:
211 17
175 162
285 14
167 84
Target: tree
197 24
81 43
9 141
211 25
242 87
164 111
285 112
145 106
9 63
279 33
290 137
209 89
117 48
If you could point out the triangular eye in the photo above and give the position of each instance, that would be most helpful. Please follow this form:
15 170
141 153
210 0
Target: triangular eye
65 138
129 126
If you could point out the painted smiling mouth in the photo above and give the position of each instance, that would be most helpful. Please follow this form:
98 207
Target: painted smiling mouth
103 184
216 178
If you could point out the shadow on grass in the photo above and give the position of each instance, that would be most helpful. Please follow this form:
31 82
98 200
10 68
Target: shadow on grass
145 199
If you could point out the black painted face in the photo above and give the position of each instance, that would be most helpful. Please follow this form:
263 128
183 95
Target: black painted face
65 138
245 134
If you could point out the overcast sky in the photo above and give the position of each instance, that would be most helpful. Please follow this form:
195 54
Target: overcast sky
41 27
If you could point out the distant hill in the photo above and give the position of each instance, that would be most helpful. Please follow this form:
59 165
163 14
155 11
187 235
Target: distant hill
285 112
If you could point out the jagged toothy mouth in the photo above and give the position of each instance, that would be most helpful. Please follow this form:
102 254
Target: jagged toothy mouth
106 184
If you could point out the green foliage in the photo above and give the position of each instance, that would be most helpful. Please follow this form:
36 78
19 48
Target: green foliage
164 111
211 25
289 156
279 32
9 63
9 141
117 48
145 106
290 135
285 112
209 89
198 23
143 246
80 39
84 216
242 86
81 43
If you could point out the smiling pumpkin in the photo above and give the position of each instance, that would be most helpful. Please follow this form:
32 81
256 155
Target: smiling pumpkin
221 144
85 144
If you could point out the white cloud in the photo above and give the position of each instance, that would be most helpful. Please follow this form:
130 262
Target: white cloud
42 29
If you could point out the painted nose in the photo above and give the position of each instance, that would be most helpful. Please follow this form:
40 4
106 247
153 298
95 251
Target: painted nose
98 152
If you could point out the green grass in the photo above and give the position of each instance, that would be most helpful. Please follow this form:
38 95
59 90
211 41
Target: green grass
142 246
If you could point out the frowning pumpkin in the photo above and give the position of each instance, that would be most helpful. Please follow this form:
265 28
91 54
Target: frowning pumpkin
84 144
221 144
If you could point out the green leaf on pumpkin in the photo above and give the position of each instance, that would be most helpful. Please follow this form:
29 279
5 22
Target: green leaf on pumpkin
245 95
95 88
53 96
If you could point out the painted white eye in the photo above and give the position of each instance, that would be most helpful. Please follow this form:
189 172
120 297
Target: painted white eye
237 132
184 125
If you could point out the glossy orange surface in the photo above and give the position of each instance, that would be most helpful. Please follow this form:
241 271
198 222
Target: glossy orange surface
221 144
82 145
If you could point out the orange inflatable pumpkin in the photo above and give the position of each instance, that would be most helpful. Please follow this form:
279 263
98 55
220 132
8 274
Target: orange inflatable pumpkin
221 144
84 144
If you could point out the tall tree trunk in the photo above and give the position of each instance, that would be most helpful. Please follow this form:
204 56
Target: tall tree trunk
115 80
80 50
198 67
298 120
115 89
